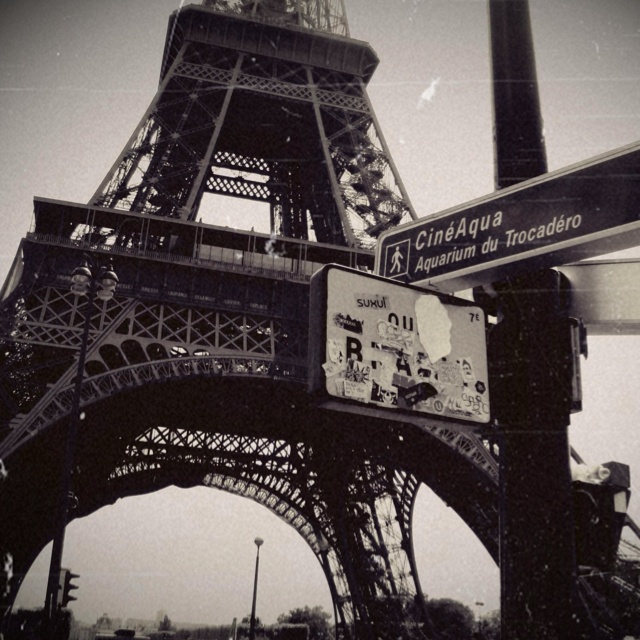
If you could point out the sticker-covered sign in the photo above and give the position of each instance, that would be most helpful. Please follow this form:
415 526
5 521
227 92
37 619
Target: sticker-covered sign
397 347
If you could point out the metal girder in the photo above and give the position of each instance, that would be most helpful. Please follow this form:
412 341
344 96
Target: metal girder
321 15
276 112
274 473
154 336
289 477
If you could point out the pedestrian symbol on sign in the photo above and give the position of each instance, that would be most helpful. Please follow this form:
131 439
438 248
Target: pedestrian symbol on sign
397 259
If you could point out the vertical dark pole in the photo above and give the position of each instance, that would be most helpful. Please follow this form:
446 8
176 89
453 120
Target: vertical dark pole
519 143
252 621
530 358
51 599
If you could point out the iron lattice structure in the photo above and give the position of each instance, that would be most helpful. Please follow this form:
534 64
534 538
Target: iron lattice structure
161 345
195 371
264 101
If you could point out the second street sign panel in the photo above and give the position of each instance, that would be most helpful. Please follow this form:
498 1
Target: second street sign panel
583 211
379 344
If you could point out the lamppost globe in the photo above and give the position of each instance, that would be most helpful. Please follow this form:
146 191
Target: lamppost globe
82 274
259 542
102 285
107 282
81 278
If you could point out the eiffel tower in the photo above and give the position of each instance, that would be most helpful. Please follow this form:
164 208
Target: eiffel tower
194 373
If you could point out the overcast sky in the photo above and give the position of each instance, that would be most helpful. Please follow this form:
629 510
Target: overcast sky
75 78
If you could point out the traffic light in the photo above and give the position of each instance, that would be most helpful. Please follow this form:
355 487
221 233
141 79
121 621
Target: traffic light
67 586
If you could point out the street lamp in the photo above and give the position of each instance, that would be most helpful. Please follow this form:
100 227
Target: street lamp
252 622
100 285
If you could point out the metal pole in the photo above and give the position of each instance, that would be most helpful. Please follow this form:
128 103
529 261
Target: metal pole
530 355
252 622
518 132
530 359
51 600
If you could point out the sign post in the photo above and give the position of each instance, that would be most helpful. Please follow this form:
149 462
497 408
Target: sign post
531 375
530 346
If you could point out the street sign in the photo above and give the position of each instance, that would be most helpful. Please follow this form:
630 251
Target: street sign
585 210
605 295
396 350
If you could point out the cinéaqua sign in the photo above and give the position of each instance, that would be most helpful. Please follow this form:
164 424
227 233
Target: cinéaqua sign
568 215
398 348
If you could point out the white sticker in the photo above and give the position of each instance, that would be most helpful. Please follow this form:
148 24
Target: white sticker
434 327
336 350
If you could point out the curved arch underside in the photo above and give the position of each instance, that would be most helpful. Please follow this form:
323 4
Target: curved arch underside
346 483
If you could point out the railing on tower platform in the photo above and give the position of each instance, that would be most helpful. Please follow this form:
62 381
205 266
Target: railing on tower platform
320 15
189 244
